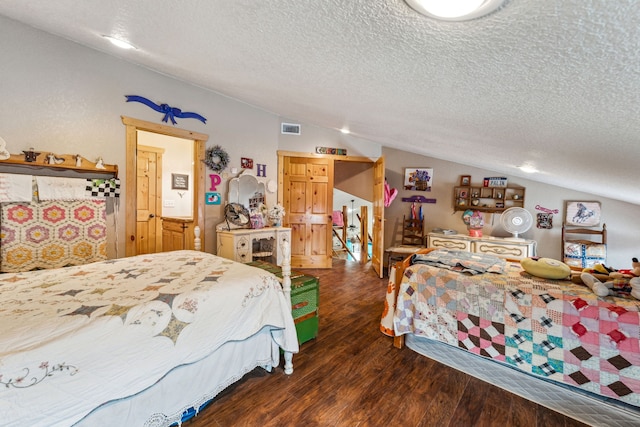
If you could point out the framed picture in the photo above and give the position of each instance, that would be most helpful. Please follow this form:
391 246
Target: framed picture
246 163
463 194
582 214
213 198
465 180
545 220
179 181
418 179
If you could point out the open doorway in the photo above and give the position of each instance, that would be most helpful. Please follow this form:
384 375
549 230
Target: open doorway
352 225
297 168
133 202
353 210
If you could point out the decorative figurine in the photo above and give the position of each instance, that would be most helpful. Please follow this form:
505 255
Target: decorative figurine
4 153
53 160
100 163
78 160
30 156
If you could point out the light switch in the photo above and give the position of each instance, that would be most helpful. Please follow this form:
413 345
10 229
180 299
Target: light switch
169 204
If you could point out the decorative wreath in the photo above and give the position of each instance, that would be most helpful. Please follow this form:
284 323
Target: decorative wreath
216 158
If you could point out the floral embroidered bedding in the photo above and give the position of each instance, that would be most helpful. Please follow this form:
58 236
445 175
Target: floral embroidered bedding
75 338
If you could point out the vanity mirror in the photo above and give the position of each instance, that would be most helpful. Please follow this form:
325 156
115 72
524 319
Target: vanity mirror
245 193
246 190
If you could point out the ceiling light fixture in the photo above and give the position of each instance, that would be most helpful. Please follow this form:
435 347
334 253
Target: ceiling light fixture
120 43
345 131
455 10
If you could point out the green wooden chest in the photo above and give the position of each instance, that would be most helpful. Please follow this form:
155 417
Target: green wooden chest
305 297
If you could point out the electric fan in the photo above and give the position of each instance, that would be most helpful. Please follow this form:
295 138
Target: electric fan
237 215
516 221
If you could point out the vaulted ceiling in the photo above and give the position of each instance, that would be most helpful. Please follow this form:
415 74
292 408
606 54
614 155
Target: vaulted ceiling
551 84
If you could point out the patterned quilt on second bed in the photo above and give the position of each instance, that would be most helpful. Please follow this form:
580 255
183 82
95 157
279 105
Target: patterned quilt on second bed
555 329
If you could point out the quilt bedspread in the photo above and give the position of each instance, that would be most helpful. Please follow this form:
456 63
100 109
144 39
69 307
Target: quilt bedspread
550 328
76 338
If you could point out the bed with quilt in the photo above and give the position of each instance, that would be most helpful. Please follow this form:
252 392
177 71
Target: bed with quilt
492 310
135 341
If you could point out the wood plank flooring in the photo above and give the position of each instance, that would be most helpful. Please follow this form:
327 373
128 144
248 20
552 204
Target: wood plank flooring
351 375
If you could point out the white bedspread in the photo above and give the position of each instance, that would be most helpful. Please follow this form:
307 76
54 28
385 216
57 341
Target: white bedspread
72 339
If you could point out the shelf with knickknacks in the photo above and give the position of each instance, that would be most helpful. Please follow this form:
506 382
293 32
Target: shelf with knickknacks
30 158
486 198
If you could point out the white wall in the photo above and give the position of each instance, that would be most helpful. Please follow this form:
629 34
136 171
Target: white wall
58 96
620 217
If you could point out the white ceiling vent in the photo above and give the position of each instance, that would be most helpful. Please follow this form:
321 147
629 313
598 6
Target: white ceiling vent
291 128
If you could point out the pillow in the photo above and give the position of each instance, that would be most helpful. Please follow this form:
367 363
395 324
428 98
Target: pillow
546 268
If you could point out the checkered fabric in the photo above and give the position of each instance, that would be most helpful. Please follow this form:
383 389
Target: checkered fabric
103 187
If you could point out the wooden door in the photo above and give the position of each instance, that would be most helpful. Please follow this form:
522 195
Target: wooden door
149 200
377 246
308 202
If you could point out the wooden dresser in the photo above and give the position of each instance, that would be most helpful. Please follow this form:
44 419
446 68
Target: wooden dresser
502 247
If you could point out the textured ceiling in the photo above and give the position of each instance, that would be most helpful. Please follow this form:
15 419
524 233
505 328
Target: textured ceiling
553 83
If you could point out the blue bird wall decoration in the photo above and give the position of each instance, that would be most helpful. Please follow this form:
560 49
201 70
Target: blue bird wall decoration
170 113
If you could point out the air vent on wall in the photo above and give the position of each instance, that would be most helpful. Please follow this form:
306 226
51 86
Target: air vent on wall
291 129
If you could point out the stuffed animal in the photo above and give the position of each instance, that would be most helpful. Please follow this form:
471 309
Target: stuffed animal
621 283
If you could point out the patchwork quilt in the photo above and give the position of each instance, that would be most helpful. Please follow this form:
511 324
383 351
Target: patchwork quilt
75 338
52 234
554 329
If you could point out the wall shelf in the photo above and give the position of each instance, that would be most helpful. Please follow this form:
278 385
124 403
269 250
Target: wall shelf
487 199
41 166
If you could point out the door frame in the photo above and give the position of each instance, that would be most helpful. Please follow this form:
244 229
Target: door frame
282 154
199 145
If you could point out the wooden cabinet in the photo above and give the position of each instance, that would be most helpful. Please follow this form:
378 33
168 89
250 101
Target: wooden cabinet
487 199
247 244
177 234
504 248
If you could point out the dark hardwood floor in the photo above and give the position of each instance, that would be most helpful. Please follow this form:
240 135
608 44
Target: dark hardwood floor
351 375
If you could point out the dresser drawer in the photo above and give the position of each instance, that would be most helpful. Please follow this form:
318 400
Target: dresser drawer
449 243
503 250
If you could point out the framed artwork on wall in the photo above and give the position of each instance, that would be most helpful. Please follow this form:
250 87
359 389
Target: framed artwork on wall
465 180
179 181
582 214
418 179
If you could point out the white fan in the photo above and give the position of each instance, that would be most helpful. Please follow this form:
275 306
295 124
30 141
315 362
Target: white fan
516 221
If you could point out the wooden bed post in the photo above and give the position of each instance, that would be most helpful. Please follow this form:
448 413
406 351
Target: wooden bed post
197 243
285 246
